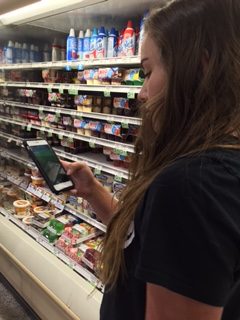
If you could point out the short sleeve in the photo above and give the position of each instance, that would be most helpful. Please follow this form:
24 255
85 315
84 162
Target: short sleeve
187 234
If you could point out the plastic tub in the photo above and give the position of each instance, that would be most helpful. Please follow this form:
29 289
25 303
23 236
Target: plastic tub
21 207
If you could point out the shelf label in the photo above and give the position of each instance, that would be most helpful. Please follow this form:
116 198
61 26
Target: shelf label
60 90
131 95
73 91
23 126
92 143
97 170
125 125
49 90
57 113
42 129
107 93
60 136
118 177
29 127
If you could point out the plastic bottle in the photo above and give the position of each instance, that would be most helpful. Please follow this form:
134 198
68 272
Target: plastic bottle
15 48
112 44
129 41
101 49
32 53
9 52
36 54
119 44
62 50
25 53
86 44
80 45
71 52
46 53
93 44
55 50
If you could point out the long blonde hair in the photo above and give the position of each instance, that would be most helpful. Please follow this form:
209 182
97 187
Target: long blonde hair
199 109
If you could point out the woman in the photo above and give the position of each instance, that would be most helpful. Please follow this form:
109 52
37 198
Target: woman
172 247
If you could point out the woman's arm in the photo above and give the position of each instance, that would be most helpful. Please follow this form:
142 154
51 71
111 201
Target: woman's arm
89 188
163 304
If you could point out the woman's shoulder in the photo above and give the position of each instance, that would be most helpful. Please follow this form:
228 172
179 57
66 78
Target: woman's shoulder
210 165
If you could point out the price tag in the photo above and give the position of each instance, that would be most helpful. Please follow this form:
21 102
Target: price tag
41 109
70 138
49 90
57 113
73 113
23 126
118 177
123 153
29 127
116 151
60 90
49 134
73 91
60 136
92 143
9 140
46 197
98 170
125 125
107 93
131 95
42 129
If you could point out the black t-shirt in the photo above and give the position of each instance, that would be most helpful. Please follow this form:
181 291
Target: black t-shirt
185 237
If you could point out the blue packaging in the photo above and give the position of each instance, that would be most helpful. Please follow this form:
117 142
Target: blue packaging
93 44
101 48
71 51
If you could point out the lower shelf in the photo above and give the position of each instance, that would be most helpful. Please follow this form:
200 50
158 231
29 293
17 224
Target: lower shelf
49 286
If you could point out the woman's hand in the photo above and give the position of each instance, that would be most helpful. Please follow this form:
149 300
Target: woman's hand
83 178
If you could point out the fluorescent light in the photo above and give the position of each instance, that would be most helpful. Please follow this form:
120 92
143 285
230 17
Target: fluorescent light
44 8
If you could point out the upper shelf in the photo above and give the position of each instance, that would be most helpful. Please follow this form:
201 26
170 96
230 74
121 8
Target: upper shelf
79 64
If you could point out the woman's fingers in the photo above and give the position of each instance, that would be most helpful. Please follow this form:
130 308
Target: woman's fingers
71 167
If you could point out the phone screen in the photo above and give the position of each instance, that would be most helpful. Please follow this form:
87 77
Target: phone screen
49 164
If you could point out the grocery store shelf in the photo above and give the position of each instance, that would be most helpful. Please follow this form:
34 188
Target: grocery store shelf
62 280
80 64
46 194
74 113
106 89
93 160
63 133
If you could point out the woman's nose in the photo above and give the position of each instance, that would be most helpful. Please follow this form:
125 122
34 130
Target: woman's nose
142 95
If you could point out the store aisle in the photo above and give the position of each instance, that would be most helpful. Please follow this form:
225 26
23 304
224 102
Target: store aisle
12 306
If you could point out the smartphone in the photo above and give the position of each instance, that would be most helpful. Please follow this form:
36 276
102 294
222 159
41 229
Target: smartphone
49 165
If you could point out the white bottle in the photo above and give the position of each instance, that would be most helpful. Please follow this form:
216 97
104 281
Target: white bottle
80 45
32 53
25 53
112 44
71 52
9 52
46 53
101 49
86 44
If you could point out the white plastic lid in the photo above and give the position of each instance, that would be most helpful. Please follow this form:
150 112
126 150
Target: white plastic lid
81 35
88 33
10 43
72 33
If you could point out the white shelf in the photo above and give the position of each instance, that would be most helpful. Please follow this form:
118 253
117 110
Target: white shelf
76 87
75 113
93 160
47 266
80 64
72 135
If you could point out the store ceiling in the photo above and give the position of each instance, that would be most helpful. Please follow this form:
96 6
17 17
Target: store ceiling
9 5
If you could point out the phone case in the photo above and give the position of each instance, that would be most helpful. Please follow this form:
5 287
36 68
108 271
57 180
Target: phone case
49 183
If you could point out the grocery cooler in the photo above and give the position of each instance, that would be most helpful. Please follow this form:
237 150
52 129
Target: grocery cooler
69 73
